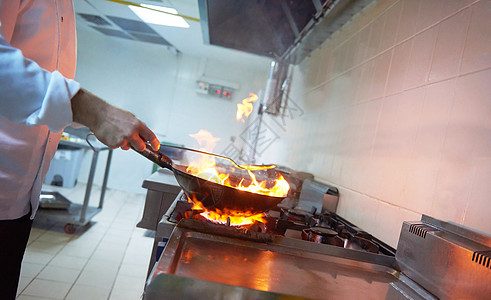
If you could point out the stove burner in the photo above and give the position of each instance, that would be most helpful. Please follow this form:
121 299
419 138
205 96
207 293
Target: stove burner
326 228
179 211
296 214
323 231
322 235
366 244
184 210
228 231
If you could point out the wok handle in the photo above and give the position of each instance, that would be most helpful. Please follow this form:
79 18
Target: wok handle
157 157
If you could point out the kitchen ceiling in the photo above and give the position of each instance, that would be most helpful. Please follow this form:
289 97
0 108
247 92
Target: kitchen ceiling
232 31
115 20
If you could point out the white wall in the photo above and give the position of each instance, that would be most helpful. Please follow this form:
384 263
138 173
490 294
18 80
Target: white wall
159 88
394 110
397 114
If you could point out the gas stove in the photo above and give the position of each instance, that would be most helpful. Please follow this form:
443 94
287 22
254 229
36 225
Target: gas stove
304 251
323 228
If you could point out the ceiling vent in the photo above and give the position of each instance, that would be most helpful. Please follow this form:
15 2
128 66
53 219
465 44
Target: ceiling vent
284 30
95 19
112 32
126 29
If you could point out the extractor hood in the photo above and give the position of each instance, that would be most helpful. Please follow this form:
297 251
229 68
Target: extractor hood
287 30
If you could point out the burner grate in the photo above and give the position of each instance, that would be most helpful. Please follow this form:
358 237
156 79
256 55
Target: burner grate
292 223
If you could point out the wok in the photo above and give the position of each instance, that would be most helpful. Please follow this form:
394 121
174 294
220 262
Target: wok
215 196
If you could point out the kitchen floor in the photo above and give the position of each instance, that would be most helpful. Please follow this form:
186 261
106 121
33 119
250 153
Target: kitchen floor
107 259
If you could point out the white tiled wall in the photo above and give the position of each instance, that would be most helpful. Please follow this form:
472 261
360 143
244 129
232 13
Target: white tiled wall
397 113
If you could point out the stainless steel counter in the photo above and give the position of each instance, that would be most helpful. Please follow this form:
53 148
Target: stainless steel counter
80 214
284 266
162 181
447 259
162 189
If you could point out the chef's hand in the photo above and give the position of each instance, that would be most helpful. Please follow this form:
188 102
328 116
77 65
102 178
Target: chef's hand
111 125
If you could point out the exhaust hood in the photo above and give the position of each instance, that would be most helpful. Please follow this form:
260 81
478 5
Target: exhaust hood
285 30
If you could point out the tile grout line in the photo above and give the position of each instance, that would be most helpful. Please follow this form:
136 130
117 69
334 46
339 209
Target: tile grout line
45 265
85 265
121 262
388 49
58 252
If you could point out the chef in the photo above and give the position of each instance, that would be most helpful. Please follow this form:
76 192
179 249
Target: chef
38 99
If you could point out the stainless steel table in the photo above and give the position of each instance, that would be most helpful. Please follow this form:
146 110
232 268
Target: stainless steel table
81 214
198 265
162 189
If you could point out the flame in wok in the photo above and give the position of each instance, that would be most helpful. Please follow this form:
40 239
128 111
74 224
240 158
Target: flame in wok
206 168
205 139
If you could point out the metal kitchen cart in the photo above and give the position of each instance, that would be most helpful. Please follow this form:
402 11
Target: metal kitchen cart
79 214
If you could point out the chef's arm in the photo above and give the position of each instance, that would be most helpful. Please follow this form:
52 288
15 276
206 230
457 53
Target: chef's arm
33 96
113 126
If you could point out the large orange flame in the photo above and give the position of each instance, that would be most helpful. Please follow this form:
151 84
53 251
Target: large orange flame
244 109
206 140
236 218
205 168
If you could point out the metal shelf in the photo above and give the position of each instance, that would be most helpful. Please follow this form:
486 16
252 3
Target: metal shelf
73 215
80 214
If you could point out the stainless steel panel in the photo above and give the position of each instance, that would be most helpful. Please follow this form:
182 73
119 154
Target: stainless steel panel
168 286
447 264
162 189
284 266
287 29
314 194
162 234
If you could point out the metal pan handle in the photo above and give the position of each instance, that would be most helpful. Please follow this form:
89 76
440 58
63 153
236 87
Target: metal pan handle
157 157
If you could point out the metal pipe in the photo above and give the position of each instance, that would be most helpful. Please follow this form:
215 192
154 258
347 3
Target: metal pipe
89 187
262 107
106 175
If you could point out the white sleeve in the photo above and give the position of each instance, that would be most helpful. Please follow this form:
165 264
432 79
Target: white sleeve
32 95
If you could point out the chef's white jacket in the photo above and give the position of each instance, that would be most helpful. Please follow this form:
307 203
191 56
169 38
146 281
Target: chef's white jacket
37 65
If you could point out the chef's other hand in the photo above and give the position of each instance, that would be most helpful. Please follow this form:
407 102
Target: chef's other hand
113 126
